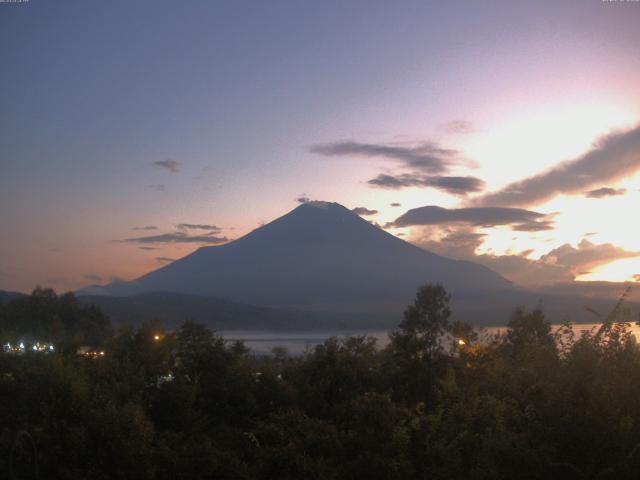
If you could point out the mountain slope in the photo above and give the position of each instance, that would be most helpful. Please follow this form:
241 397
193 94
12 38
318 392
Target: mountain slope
6 296
318 255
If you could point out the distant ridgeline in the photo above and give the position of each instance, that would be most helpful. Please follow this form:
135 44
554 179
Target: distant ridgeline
43 319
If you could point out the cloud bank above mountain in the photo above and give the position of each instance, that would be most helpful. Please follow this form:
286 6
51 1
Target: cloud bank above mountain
612 157
514 218
177 237
558 265
453 185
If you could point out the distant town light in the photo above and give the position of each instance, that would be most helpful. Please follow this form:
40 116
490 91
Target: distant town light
156 337
22 347
165 378
461 342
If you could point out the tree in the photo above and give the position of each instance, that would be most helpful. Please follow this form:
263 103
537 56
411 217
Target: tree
417 345
425 323
334 373
528 330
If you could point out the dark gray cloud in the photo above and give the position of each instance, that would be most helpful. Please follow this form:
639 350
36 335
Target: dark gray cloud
420 165
586 255
93 278
396 204
303 199
176 237
537 226
516 218
170 165
158 188
146 227
165 259
392 182
605 192
452 185
613 157
559 265
456 185
526 271
459 126
363 211
427 157
198 226
460 243
148 248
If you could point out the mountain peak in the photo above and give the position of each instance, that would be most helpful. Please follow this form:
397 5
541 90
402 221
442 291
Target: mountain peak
313 222
320 253
318 206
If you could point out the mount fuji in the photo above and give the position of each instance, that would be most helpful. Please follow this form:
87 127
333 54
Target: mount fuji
319 264
319 254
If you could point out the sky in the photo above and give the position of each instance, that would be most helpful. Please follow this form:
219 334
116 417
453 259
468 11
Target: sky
132 133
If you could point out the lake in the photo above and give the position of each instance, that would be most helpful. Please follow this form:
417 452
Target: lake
297 342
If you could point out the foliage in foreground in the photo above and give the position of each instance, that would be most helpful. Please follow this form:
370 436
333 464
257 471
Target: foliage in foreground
530 403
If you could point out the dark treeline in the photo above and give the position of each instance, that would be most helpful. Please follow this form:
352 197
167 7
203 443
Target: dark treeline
530 403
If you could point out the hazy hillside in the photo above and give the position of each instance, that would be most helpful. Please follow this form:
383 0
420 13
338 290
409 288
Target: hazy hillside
6 296
477 309
172 308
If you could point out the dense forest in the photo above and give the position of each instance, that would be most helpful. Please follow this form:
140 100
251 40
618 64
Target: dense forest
438 402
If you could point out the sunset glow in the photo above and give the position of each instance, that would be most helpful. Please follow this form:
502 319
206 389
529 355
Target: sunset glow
123 153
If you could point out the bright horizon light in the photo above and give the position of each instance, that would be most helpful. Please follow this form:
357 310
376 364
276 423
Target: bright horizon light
227 139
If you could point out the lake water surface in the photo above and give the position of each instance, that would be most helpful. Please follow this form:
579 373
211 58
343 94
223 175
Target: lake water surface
297 342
